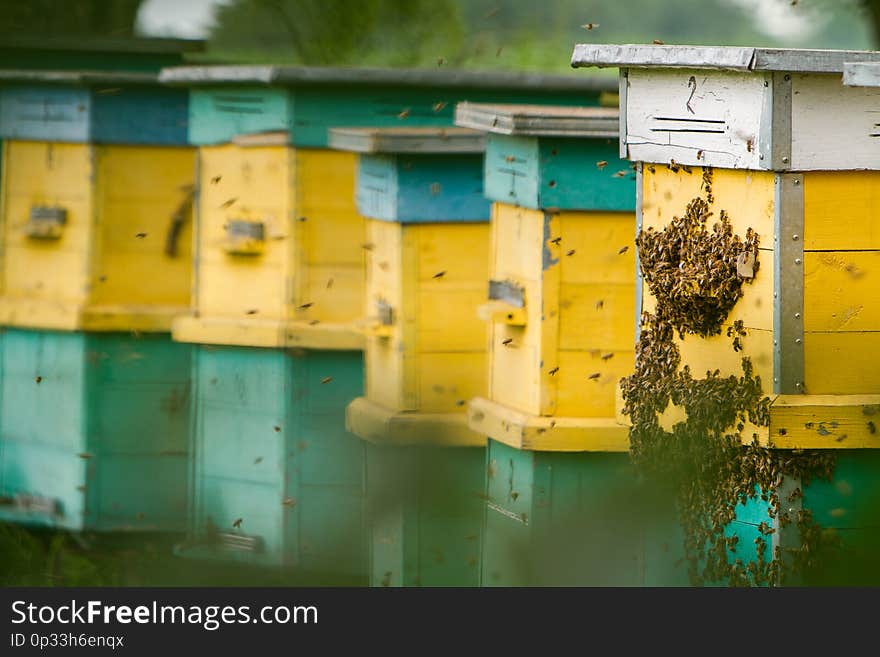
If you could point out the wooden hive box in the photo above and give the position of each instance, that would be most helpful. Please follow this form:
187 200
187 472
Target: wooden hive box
96 261
280 263
561 304
773 139
421 190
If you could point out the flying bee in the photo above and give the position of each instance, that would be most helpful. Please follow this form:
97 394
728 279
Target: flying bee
289 501
276 428
306 306
438 107
369 246
439 274
601 164
237 523
216 179
600 304
620 174
229 203
594 376
313 322
258 460
140 236
38 379
553 371
329 283
658 42
326 379
403 114
622 250
589 27
556 240
872 428
252 311
570 252
608 355
506 341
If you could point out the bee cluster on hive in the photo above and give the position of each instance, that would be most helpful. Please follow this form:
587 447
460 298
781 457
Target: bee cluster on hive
691 270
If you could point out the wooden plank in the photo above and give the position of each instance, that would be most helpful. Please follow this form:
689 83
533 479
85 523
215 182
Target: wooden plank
596 316
447 380
379 425
407 140
825 422
539 120
840 210
546 434
862 74
591 245
832 125
842 363
580 392
839 289
680 114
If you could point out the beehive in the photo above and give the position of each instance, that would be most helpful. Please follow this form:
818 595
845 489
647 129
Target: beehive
280 264
421 190
561 304
773 139
96 262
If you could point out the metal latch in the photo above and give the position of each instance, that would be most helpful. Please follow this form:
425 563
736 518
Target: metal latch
745 264
245 237
46 223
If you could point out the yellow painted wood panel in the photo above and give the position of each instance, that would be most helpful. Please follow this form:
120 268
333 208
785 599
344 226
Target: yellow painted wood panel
139 191
594 241
58 175
841 291
448 380
708 354
840 210
747 196
579 395
842 363
517 243
448 320
825 422
384 281
336 292
458 251
597 316
251 183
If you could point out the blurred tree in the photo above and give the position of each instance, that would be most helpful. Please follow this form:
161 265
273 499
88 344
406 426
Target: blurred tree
51 18
321 32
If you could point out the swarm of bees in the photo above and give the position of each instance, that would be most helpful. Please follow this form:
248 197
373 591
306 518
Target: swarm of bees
691 271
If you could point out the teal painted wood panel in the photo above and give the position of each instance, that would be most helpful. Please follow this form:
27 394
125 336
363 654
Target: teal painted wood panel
217 114
422 188
563 173
98 423
124 115
845 507
425 515
270 449
559 519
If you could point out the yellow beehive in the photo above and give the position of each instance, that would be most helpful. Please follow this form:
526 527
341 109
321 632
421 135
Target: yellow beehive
427 264
279 247
840 246
96 237
562 285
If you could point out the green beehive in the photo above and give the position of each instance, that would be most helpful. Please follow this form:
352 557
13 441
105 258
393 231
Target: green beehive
93 431
561 497
280 279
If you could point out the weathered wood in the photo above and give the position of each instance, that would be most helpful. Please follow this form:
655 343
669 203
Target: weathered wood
865 74
407 140
539 120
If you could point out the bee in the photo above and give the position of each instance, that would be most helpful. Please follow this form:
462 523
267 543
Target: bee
439 107
556 240
658 42
306 306
460 402
600 304
439 274
38 379
607 356
314 322
594 376
102 279
140 236
302 219
289 501
237 523
276 428
620 174
506 341
872 428
216 179
590 26
700 154
369 246
329 283
552 423
326 379
252 311
229 203
553 371
403 114
622 250
570 252
258 460
601 164
84 455
841 438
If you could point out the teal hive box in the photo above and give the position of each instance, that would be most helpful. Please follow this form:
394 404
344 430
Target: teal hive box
107 107
94 431
277 481
561 503
306 102
422 186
